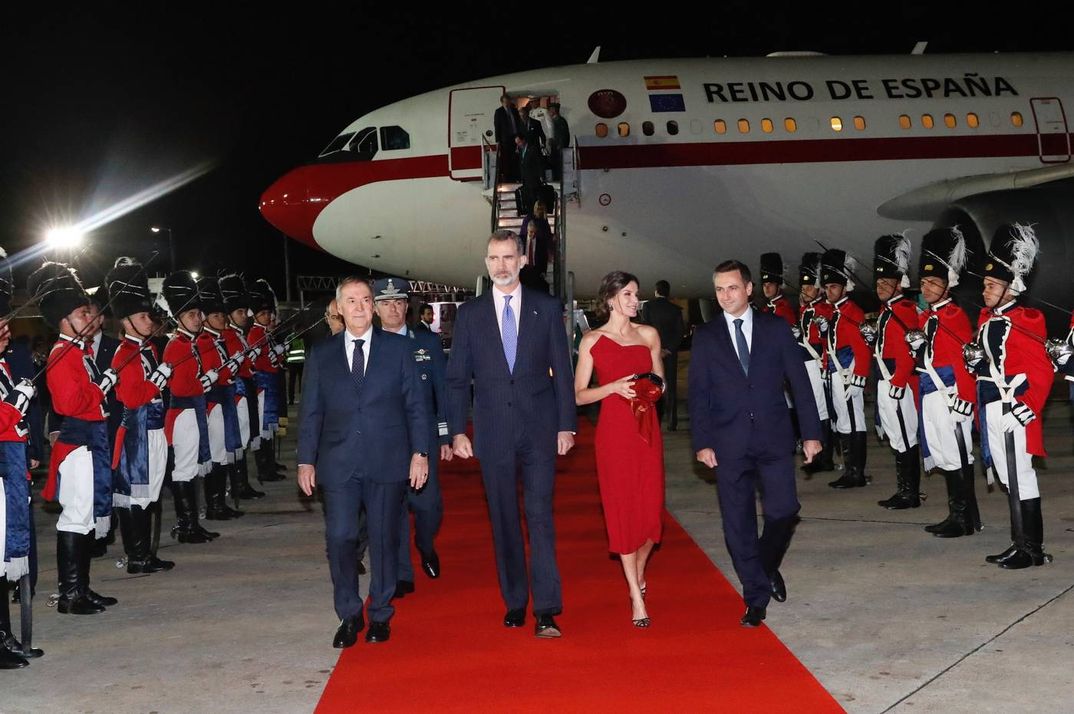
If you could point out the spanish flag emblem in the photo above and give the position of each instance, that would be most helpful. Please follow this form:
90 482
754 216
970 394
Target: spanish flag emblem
662 82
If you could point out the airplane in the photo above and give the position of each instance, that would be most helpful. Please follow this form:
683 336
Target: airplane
676 165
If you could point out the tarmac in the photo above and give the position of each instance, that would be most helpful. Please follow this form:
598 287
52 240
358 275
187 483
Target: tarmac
887 617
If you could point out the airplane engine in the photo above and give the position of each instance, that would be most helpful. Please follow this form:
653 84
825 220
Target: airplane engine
1049 208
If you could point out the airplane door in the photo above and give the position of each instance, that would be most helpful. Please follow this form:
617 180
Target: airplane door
1053 140
470 119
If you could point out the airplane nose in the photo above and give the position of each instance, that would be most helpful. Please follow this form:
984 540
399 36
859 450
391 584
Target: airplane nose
286 205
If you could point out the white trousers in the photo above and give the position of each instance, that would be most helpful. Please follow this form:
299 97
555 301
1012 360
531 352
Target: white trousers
816 380
185 442
76 495
264 432
997 445
902 435
939 426
844 409
158 465
244 420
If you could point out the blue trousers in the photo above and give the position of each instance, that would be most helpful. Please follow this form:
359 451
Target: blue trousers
428 507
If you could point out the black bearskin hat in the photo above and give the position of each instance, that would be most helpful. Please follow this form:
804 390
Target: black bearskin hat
262 297
891 258
943 255
233 291
772 268
809 269
180 293
1012 254
59 291
127 288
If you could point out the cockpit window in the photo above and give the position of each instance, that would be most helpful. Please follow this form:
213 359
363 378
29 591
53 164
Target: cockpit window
338 143
364 144
394 137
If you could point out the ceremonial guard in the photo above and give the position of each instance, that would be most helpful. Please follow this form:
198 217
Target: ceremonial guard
186 422
896 390
237 305
15 521
266 376
390 296
1014 377
848 365
140 456
225 440
815 311
772 287
80 474
947 389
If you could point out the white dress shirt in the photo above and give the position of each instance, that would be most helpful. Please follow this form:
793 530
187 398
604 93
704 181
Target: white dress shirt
747 328
516 305
348 345
95 344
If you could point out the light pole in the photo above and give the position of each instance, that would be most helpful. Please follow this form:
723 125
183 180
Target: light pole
171 244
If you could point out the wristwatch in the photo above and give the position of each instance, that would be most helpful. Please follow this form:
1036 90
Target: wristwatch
423 455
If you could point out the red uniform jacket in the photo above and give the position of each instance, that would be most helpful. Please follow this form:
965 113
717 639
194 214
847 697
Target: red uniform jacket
9 415
844 331
818 308
897 316
781 306
267 361
186 369
134 388
948 328
74 394
1015 335
236 342
214 353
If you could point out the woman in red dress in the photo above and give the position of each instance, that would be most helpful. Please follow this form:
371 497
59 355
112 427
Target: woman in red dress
630 450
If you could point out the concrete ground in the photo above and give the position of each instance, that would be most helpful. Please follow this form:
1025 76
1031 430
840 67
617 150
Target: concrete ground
887 617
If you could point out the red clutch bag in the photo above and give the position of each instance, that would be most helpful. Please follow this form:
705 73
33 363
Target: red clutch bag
648 388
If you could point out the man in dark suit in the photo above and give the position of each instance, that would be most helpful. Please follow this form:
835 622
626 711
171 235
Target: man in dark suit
666 317
363 434
531 167
511 345
740 426
532 129
507 124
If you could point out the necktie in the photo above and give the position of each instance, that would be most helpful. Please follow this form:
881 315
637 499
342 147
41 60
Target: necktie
358 363
743 347
510 333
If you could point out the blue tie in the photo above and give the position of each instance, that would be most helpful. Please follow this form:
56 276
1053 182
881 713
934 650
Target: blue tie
743 348
358 363
510 333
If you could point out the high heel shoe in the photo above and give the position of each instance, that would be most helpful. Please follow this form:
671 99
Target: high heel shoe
640 621
643 589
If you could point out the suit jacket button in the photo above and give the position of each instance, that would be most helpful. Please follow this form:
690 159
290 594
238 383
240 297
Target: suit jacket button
359 432
508 403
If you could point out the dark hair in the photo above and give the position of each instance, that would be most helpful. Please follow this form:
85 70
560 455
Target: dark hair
730 266
610 286
502 235
663 288
423 307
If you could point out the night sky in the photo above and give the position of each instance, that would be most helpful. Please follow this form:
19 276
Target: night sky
103 103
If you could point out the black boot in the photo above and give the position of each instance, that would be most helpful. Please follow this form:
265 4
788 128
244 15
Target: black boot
186 517
84 571
1016 537
139 559
1031 548
969 495
859 451
957 523
68 555
265 459
216 508
126 534
245 490
852 476
908 482
8 643
823 461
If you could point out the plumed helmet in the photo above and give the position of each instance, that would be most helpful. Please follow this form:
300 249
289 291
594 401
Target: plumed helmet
233 291
262 296
127 288
1012 255
837 266
179 293
809 269
772 268
60 292
943 255
209 290
891 258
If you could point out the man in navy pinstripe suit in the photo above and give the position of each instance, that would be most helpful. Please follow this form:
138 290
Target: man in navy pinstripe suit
512 345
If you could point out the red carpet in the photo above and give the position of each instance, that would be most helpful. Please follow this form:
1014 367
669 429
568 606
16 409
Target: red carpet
450 652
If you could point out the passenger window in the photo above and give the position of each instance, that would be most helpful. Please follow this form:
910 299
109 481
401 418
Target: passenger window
624 129
337 144
766 126
949 121
743 126
647 128
790 125
364 144
837 124
393 138
904 121
926 121
859 123
719 126
1016 118
602 130
972 121
673 128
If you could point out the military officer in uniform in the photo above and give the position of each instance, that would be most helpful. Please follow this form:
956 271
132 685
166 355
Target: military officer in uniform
815 312
266 376
896 405
390 300
772 287
1014 377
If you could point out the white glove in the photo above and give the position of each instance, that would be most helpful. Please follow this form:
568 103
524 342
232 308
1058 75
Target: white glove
916 340
209 379
280 350
254 352
852 385
896 393
232 365
961 410
21 395
1019 416
108 380
822 323
160 375
797 332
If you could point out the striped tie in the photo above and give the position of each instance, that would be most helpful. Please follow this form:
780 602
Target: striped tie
510 333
